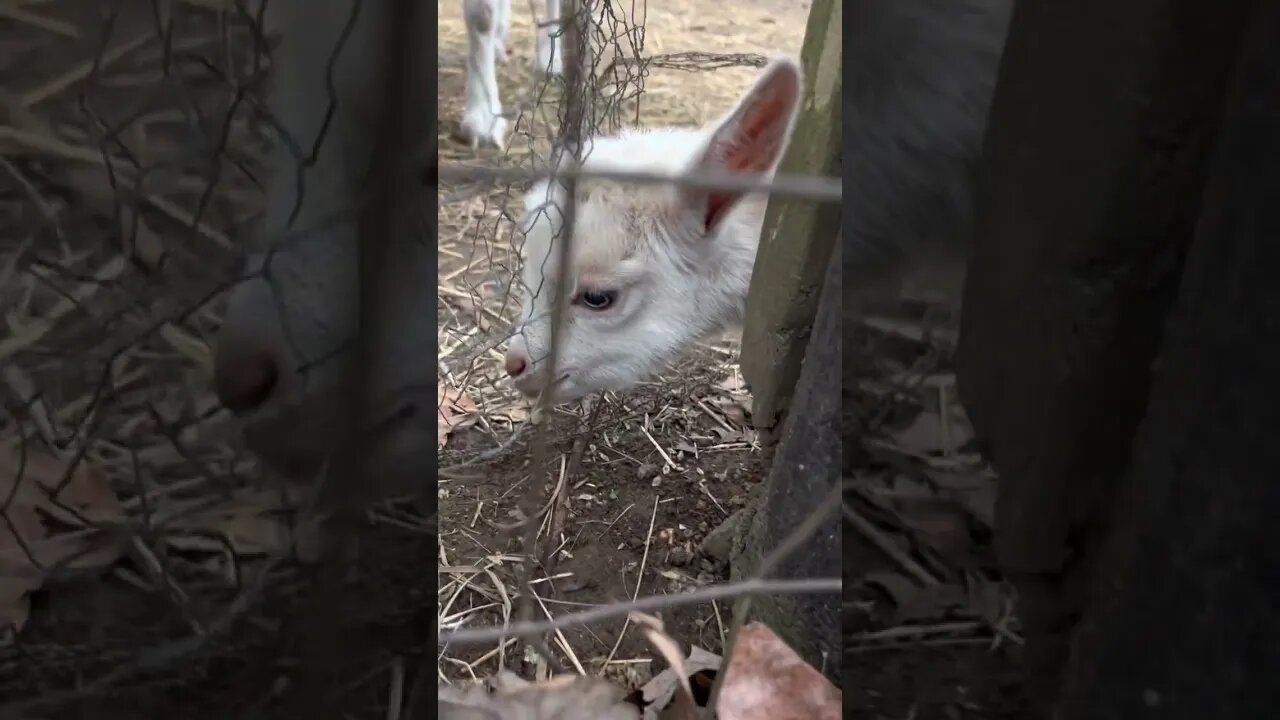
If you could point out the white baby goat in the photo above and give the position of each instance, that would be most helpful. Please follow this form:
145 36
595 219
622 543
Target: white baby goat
487 24
654 267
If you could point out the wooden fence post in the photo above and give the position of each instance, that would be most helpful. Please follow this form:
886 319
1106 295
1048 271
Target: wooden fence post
1091 178
802 478
1184 622
798 234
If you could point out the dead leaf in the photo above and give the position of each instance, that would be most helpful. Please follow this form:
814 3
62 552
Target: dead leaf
78 550
507 697
911 330
767 680
899 588
934 603
659 692
960 481
987 601
733 383
939 523
250 523
976 492
86 496
735 411
916 603
681 705
20 522
515 414
29 548
245 533
922 437
455 410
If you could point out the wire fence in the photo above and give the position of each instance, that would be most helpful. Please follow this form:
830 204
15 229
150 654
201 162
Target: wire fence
149 553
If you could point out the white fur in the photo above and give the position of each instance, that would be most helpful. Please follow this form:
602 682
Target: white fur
677 281
487 24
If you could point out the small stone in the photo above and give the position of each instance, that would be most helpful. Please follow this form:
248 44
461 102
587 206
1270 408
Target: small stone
646 471
719 542
280 685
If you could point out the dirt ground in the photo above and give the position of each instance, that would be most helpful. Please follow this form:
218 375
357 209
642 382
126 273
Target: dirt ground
184 607
932 629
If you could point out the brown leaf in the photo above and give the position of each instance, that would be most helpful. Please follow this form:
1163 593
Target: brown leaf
15 600
899 588
941 524
923 436
681 705
515 413
987 601
767 680
28 549
733 383
455 410
249 523
662 689
917 603
85 497
933 603
245 531
507 697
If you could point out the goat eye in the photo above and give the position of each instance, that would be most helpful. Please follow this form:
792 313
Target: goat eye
598 299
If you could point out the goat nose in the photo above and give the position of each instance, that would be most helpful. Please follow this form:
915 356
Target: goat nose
243 380
515 364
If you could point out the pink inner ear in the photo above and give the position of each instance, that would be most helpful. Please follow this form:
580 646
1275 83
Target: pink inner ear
752 146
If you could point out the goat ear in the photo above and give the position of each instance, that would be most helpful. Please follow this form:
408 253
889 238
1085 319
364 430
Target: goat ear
752 137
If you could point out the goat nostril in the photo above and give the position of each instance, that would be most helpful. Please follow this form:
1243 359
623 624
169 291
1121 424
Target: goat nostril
515 365
246 382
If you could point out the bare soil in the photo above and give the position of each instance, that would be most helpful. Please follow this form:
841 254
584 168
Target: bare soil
931 628
632 526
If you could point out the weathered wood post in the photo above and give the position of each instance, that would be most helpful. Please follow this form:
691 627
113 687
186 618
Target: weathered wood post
802 477
798 234
1186 620
1092 176
791 345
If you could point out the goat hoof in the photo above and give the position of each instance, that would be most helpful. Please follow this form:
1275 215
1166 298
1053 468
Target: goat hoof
546 59
548 67
482 129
